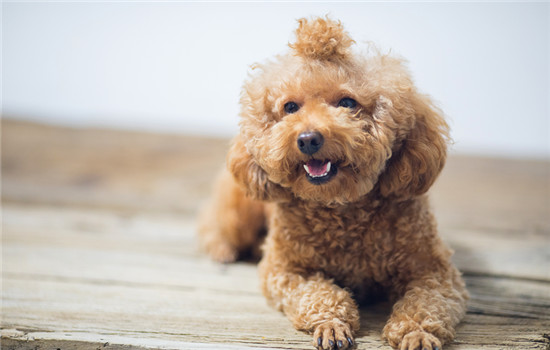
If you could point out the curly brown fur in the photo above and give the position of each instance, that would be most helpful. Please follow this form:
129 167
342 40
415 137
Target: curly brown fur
364 225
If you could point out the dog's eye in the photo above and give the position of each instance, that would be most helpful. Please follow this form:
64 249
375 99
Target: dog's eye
291 107
347 102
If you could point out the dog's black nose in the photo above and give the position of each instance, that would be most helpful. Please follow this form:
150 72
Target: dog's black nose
310 142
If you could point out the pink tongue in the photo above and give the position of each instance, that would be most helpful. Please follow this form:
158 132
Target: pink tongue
317 167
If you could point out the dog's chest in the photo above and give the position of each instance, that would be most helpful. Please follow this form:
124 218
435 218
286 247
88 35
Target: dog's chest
350 246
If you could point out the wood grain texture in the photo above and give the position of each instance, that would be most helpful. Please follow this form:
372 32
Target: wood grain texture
99 249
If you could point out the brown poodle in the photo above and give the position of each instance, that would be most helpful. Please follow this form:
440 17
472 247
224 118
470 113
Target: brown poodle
334 156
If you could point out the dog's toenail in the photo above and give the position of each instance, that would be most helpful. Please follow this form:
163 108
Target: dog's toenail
340 343
319 341
331 343
350 341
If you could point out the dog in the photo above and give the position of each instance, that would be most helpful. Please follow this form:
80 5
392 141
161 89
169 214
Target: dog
335 153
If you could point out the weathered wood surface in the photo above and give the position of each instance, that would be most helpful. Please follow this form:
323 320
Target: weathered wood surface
99 249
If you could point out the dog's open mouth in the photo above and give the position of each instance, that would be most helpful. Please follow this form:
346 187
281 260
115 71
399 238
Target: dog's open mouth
319 172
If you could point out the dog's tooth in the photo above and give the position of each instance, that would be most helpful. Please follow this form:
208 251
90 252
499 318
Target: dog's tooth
327 170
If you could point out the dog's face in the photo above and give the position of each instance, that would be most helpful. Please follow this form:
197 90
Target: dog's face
324 125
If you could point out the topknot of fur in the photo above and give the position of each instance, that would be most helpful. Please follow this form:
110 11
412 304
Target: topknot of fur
321 39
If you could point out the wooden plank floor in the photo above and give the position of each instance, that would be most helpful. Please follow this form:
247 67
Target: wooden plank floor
99 248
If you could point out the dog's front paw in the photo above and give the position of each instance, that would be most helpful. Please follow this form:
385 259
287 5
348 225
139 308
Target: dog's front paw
333 334
420 340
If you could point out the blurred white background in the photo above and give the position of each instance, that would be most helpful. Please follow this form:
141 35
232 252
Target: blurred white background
179 66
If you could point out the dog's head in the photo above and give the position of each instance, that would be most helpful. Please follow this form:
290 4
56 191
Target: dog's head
323 124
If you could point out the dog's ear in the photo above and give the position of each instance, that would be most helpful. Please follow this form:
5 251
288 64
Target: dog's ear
415 165
251 176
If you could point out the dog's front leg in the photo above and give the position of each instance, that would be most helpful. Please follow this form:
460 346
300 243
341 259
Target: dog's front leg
313 304
426 315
